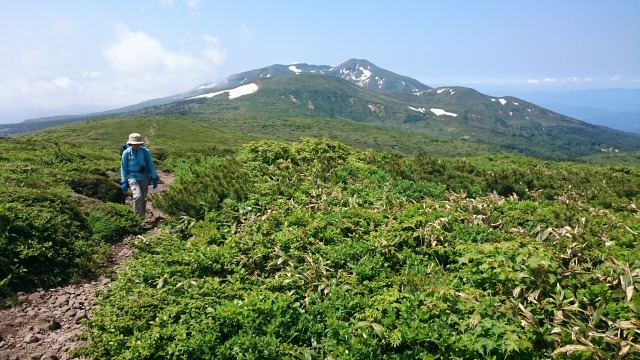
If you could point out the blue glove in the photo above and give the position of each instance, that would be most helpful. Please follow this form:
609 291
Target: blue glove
155 182
125 185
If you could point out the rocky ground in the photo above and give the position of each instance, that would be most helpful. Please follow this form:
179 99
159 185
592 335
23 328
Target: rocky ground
44 324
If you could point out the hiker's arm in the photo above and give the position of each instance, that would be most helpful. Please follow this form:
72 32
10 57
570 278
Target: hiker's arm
123 167
152 167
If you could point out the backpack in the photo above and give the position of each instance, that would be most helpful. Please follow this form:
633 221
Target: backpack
123 147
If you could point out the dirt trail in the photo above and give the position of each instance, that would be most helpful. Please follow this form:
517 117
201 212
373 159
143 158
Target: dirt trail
45 324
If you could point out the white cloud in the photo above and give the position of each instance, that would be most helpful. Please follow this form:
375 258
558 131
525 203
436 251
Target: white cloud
214 52
568 80
193 3
190 3
63 82
247 34
144 58
138 67
134 52
580 82
92 74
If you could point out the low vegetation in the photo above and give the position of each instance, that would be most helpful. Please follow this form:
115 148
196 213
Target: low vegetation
316 250
176 136
382 245
60 207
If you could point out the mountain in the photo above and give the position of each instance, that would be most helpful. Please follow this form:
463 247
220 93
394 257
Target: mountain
615 108
354 70
625 121
443 113
359 91
358 71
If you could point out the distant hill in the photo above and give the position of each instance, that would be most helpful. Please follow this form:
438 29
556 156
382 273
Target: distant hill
614 108
625 121
361 92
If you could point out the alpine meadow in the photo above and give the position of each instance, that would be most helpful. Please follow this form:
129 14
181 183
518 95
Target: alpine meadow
340 212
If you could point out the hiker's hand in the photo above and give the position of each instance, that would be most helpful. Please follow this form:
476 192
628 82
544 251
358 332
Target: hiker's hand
155 182
125 185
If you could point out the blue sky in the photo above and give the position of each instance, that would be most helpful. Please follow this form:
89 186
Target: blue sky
78 56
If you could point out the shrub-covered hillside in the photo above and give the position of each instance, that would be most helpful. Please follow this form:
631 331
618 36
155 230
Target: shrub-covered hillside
314 250
60 207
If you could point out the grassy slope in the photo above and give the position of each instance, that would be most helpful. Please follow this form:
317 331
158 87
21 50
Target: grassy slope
480 253
614 159
177 133
161 132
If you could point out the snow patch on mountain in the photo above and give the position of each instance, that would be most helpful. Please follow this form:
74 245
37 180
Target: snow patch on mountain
295 69
362 80
438 112
441 90
366 74
233 93
502 101
421 110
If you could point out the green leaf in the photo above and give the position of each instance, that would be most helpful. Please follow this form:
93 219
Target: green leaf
379 329
361 324
598 313
161 281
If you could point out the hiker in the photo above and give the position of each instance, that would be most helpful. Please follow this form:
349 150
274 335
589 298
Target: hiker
137 166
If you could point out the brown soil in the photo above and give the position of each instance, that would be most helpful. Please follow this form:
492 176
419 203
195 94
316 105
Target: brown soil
45 324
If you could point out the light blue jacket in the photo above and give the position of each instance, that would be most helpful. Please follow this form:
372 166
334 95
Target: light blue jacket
133 161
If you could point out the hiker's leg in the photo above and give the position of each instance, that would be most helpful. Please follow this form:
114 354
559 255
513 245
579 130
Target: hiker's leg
144 187
139 189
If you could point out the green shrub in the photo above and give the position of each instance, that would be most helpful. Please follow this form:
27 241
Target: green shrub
204 185
45 238
331 253
98 187
110 222
49 189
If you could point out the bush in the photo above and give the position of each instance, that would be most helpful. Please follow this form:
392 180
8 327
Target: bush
45 239
110 222
204 185
333 254
99 187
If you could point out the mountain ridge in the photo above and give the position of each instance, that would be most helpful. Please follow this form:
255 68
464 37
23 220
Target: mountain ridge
359 91
448 112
